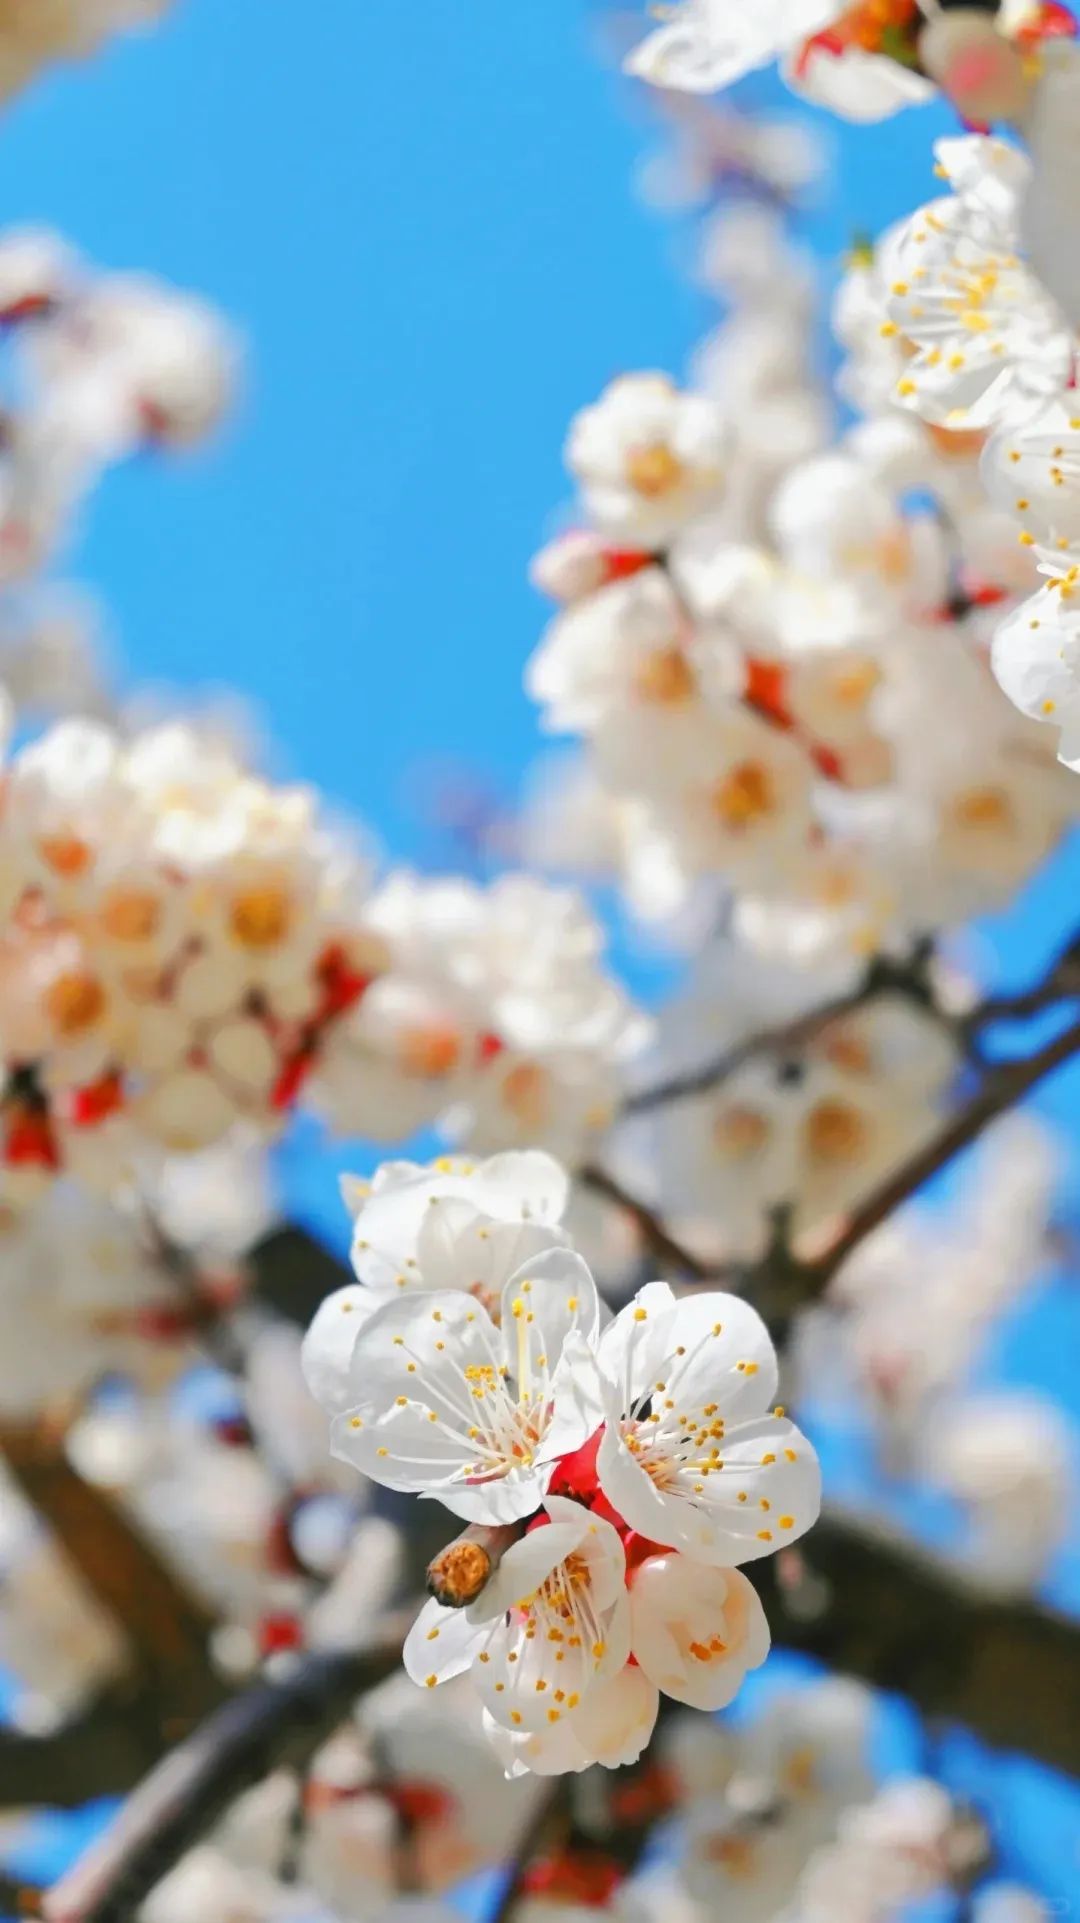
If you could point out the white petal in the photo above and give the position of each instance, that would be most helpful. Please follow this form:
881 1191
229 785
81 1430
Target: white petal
329 1344
617 1718
441 1643
525 1184
461 1247
419 1422
578 1407
552 1296
696 1630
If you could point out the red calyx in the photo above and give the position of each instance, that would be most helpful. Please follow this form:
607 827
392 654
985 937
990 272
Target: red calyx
233 1431
649 1793
765 691
830 41
30 1141
588 1877
96 1102
489 1047
342 985
280 1631
1051 22
575 1476
621 563
30 307
419 1802
294 1074
162 1323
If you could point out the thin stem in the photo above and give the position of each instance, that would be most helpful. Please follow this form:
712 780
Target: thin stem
1001 1090
882 976
549 1822
767 1041
671 1253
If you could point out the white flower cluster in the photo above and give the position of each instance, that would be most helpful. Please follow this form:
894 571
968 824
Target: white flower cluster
975 300
97 367
102 365
769 675
781 1817
636 1463
185 947
34 33
863 59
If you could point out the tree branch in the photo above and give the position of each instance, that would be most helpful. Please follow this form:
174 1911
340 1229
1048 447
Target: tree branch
102 1752
671 1253
1002 1088
868 1600
167 1630
264 1728
882 976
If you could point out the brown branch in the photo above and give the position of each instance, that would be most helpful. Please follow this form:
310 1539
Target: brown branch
269 1726
102 1752
777 1040
659 1241
883 976
868 1600
547 1826
1002 1088
167 1630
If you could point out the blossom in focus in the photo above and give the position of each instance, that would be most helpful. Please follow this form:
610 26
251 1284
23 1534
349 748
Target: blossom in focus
443 1401
549 1626
693 1455
455 1224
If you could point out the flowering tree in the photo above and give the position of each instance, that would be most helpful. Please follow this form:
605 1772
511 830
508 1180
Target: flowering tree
821 684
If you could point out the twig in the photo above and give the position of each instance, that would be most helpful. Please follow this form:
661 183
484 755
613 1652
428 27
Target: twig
102 1752
767 1041
883 976
671 1253
548 1824
1002 1088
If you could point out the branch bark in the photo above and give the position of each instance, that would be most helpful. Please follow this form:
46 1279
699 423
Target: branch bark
271 1725
167 1629
868 1600
1002 1088
659 1241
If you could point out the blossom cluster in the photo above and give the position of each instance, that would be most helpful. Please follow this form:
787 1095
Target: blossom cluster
974 301
767 675
633 1466
864 59
186 947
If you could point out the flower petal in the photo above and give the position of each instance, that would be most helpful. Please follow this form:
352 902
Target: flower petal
327 1349
441 1643
543 1302
431 1412
461 1247
696 1630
